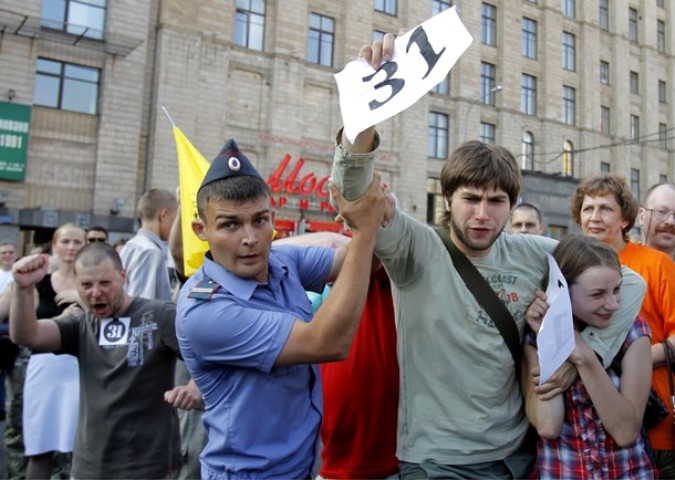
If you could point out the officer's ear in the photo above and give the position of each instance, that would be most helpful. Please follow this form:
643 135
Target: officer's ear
199 228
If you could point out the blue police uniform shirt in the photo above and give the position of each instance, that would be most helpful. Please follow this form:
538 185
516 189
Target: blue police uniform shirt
262 420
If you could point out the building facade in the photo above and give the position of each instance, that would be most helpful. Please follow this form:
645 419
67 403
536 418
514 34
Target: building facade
570 87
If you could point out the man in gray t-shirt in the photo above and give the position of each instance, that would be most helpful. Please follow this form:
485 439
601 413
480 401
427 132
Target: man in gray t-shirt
460 407
127 352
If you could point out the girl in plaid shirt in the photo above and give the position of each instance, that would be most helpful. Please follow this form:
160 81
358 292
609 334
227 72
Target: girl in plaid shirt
593 429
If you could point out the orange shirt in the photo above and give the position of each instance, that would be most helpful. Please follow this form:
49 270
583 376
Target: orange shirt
658 308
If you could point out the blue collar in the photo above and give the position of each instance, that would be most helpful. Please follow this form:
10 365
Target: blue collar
243 287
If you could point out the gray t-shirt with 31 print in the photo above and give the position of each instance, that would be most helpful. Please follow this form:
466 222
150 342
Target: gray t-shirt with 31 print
126 429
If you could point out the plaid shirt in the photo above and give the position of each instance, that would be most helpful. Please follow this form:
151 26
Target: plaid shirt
584 450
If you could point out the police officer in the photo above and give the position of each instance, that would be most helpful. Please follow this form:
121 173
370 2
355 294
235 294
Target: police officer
245 325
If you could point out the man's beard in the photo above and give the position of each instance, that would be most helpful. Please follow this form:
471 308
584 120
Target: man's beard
467 243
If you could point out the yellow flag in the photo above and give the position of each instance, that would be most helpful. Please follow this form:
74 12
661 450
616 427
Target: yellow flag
192 168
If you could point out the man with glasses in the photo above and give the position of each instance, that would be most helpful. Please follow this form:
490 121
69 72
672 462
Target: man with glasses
97 234
657 218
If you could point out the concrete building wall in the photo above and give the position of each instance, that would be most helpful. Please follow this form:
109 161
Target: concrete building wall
275 103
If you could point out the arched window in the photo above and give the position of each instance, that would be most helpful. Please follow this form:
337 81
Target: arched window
527 162
568 158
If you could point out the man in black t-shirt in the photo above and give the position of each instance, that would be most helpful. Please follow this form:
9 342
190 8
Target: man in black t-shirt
127 352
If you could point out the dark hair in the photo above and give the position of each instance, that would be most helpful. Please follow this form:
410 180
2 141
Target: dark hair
606 184
478 164
532 207
97 252
98 228
577 253
240 188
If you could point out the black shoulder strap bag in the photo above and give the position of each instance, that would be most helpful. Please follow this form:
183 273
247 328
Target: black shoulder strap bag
485 296
495 308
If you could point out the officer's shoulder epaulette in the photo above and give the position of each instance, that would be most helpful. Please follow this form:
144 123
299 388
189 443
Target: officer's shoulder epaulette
203 290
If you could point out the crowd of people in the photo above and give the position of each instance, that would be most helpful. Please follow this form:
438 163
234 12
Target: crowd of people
360 355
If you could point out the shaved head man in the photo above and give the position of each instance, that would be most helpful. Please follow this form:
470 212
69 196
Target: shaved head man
526 218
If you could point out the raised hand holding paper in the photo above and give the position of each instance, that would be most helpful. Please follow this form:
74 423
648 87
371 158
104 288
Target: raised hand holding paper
422 59
555 339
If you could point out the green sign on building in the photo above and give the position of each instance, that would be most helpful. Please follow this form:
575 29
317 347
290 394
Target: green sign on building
14 130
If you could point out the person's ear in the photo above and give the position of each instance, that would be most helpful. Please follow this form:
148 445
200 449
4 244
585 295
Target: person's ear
199 228
641 216
163 214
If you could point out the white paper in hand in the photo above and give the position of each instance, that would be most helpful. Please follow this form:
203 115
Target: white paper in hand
422 59
555 340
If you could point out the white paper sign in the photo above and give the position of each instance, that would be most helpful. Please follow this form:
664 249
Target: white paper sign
114 331
555 340
422 59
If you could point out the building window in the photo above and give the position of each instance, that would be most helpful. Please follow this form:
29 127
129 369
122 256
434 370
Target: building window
660 3
378 35
437 6
604 72
529 38
320 40
528 94
663 178
386 6
76 17
569 53
435 203
603 14
249 25
632 25
634 83
635 183
568 158
488 83
437 146
569 102
605 119
528 151
661 36
663 135
443 88
66 86
662 92
556 232
488 24
605 167
569 8
635 128
488 133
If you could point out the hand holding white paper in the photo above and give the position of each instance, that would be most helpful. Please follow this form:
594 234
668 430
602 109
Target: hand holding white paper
555 339
422 59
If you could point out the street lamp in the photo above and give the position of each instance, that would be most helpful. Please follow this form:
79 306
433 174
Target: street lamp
476 100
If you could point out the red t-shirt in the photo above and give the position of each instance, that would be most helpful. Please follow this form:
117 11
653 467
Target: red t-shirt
360 405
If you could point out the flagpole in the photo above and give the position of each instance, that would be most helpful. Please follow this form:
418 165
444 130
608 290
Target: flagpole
166 112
